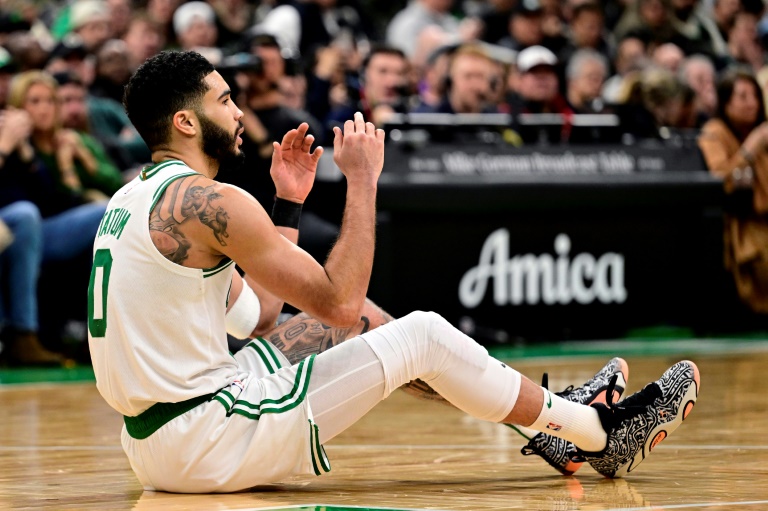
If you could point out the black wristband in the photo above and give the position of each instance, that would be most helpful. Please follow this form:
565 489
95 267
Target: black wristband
286 213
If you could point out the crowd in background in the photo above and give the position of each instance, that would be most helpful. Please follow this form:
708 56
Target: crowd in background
66 144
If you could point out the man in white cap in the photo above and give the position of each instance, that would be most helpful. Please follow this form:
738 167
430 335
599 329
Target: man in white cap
90 20
536 88
195 25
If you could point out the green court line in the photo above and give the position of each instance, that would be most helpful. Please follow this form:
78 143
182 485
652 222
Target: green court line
642 344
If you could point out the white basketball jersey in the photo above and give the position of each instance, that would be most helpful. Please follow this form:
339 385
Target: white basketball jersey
156 329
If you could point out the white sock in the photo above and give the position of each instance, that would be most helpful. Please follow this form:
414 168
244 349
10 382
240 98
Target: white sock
576 423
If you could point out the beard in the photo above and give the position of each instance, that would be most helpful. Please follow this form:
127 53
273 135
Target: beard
220 145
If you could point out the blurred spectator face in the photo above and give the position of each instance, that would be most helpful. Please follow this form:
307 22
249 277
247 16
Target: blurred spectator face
199 34
742 108
470 83
26 50
724 13
588 82
385 75
538 84
653 13
526 29
630 55
112 62
72 107
700 76
294 91
668 56
40 104
161 11
143 40
90 20
119 16
273 70
587 28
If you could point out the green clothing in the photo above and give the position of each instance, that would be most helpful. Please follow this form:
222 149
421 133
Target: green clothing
107 177
107 121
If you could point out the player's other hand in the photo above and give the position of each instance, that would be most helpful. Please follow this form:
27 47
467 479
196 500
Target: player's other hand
358 150
293 165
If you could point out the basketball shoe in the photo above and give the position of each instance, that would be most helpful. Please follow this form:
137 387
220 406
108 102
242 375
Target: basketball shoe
558 452
636 425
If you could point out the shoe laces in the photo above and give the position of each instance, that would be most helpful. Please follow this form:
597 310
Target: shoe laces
632 405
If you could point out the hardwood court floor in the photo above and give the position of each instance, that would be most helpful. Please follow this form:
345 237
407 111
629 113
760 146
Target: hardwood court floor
59 450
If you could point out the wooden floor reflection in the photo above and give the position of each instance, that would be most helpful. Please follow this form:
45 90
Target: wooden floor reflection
59 449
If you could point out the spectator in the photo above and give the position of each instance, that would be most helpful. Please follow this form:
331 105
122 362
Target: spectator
743 41
20 251
112 70
71 56
78 162
630 57
324 22
652 101
62 238
26 50
265 119
102 118
161 12
119 16
723 15
495 16
471 87
383 88
90 20
587 30
668 56
194 24
649 19
404 29
525 26
233 18
735 148
585 74
537 91
698 72
696 31
432 79
143 38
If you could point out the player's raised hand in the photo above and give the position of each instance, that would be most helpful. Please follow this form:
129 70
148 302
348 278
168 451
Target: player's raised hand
293 165
358 150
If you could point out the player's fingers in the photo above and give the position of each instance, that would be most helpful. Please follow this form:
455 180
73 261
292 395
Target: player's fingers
277 154
300 134
317 153
370 129
359 123
338 138
288 138
308 141
349 128
380 135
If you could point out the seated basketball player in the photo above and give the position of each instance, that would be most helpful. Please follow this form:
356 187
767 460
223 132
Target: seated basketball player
198 419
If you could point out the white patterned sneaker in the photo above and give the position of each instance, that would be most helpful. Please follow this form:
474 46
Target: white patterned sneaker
558 452
636 425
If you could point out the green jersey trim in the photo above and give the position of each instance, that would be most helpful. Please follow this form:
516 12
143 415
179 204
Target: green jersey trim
158 415
154 169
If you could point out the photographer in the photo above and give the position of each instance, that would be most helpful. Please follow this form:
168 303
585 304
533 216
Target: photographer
383 88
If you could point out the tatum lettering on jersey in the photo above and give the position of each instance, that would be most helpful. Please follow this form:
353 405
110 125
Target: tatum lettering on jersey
113 222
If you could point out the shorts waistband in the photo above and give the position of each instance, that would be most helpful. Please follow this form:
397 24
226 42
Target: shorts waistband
158 415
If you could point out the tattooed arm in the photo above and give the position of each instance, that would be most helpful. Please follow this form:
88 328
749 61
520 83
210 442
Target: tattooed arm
302 336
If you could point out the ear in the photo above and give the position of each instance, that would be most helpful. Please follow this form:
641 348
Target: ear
185 121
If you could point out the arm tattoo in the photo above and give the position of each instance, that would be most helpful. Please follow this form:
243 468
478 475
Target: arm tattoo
182 201
302 336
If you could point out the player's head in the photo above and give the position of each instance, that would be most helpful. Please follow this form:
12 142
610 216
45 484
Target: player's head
182 91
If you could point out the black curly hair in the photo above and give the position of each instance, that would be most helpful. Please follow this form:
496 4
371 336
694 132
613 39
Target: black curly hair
166 83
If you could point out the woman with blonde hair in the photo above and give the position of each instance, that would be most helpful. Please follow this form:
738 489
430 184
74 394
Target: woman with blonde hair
79 162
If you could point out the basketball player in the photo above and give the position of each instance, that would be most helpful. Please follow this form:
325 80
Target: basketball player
198 419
